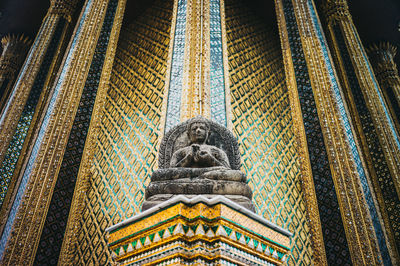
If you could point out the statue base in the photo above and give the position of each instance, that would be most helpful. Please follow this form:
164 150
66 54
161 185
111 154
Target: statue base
190 182
198 230
158 199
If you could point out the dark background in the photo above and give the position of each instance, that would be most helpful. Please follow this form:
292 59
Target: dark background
376 20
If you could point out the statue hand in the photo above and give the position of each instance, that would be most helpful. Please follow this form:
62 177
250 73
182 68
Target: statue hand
204 155
195 152
195 148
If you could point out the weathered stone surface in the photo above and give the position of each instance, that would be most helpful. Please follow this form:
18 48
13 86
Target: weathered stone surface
215 173
161 198
198 186
199 157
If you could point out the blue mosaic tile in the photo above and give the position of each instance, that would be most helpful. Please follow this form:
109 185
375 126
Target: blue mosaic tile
217 82
175 85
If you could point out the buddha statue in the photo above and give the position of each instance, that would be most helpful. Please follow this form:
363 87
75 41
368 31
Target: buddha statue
198 157
198 154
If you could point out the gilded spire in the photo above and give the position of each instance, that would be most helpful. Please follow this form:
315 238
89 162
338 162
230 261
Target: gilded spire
14 51
382 59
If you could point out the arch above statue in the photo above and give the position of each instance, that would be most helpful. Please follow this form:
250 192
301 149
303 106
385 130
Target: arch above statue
178 137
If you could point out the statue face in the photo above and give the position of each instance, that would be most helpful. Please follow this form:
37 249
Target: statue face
198 132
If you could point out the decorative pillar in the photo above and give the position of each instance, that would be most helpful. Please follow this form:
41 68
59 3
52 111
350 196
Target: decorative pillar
15 48
382 59
372 120
22 113
330 150
198 67
54 24
85 69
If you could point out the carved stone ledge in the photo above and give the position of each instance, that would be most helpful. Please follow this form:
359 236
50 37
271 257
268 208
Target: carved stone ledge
198 230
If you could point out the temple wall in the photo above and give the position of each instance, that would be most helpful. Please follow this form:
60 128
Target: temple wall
126 151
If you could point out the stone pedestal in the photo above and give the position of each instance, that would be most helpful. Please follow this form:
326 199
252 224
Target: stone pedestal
198 231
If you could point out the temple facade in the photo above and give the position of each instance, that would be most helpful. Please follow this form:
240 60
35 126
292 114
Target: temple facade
84 110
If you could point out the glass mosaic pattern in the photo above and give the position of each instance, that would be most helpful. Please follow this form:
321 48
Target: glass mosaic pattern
57 216
126 152
217 82
263 124
385 180
175 86
336 246
14 150
350 137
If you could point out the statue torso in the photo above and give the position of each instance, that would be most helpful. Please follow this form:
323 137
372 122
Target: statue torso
199 156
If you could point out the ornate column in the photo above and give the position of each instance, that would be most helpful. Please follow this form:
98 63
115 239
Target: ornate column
15 48
75 90
373 124
382 58
58 16
330 150
22 112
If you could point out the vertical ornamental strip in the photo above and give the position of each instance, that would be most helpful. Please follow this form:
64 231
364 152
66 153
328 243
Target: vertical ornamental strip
345 173
22 231
196 68
15 48
198 83
80 141
175 81
219 81
342 28
372 121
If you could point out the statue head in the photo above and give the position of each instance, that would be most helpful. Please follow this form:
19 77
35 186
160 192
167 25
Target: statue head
198 130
